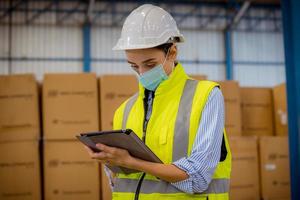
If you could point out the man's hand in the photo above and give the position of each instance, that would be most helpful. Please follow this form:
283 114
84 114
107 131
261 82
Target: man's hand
120 157
111 155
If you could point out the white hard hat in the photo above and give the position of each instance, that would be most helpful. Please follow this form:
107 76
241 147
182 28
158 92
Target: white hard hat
148 26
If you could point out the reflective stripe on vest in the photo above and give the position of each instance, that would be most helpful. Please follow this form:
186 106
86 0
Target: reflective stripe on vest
127 109
216 186
182 124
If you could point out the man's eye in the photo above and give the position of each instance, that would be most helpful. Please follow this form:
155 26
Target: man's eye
150 65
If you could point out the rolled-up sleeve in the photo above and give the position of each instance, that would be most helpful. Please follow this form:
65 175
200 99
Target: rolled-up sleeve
206 150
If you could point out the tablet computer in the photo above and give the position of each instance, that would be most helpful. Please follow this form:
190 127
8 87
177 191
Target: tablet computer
124 139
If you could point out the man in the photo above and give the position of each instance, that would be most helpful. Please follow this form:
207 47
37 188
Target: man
181 120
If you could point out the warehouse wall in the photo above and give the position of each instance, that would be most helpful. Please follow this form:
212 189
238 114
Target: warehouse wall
43 49
106 61
3 50
256 55
3 67
258 58
203 53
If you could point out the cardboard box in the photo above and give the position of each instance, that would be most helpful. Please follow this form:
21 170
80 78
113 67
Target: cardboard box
114 90
19 117
20 171
274 168
70 105
198 76
231 93
280 110
257 111
69 172
244 182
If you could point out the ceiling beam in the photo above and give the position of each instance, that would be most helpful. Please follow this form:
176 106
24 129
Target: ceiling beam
236 19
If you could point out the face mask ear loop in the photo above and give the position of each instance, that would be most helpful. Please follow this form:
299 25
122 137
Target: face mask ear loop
166 60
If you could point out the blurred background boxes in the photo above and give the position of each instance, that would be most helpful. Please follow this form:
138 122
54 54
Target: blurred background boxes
244 183
20 170
257 111
232 99
20 166
69 172
19 108
70 105
114 90
274 168
280 111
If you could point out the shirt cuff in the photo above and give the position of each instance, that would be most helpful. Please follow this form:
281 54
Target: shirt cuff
195 183
187 184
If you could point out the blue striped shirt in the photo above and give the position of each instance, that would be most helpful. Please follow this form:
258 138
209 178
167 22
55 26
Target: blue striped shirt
206 150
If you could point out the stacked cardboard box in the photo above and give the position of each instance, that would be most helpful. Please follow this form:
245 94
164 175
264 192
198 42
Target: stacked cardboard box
280 110
274 168
231 93
114 90
69 172
257 111
70 107
19 138
244 183
20 170
19 119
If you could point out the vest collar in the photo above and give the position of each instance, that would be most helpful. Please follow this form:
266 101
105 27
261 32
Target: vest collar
176 77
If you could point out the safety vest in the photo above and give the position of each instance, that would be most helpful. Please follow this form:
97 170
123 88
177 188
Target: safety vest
170 134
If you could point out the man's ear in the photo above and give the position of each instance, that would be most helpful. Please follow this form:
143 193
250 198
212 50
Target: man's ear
173 52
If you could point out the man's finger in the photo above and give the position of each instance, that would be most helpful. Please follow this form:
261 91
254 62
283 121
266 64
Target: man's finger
101 155
88 149
107 149
90 152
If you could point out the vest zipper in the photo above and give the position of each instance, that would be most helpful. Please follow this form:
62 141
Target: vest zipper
148 112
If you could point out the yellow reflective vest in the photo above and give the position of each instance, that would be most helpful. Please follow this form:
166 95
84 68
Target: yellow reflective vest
171 130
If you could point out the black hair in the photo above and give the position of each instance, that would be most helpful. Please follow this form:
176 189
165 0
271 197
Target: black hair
164 47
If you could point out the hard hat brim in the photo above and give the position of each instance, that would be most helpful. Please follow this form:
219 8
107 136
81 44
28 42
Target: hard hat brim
121 46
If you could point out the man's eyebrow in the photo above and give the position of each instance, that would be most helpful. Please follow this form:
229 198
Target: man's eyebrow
148 60
130 62
145 61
